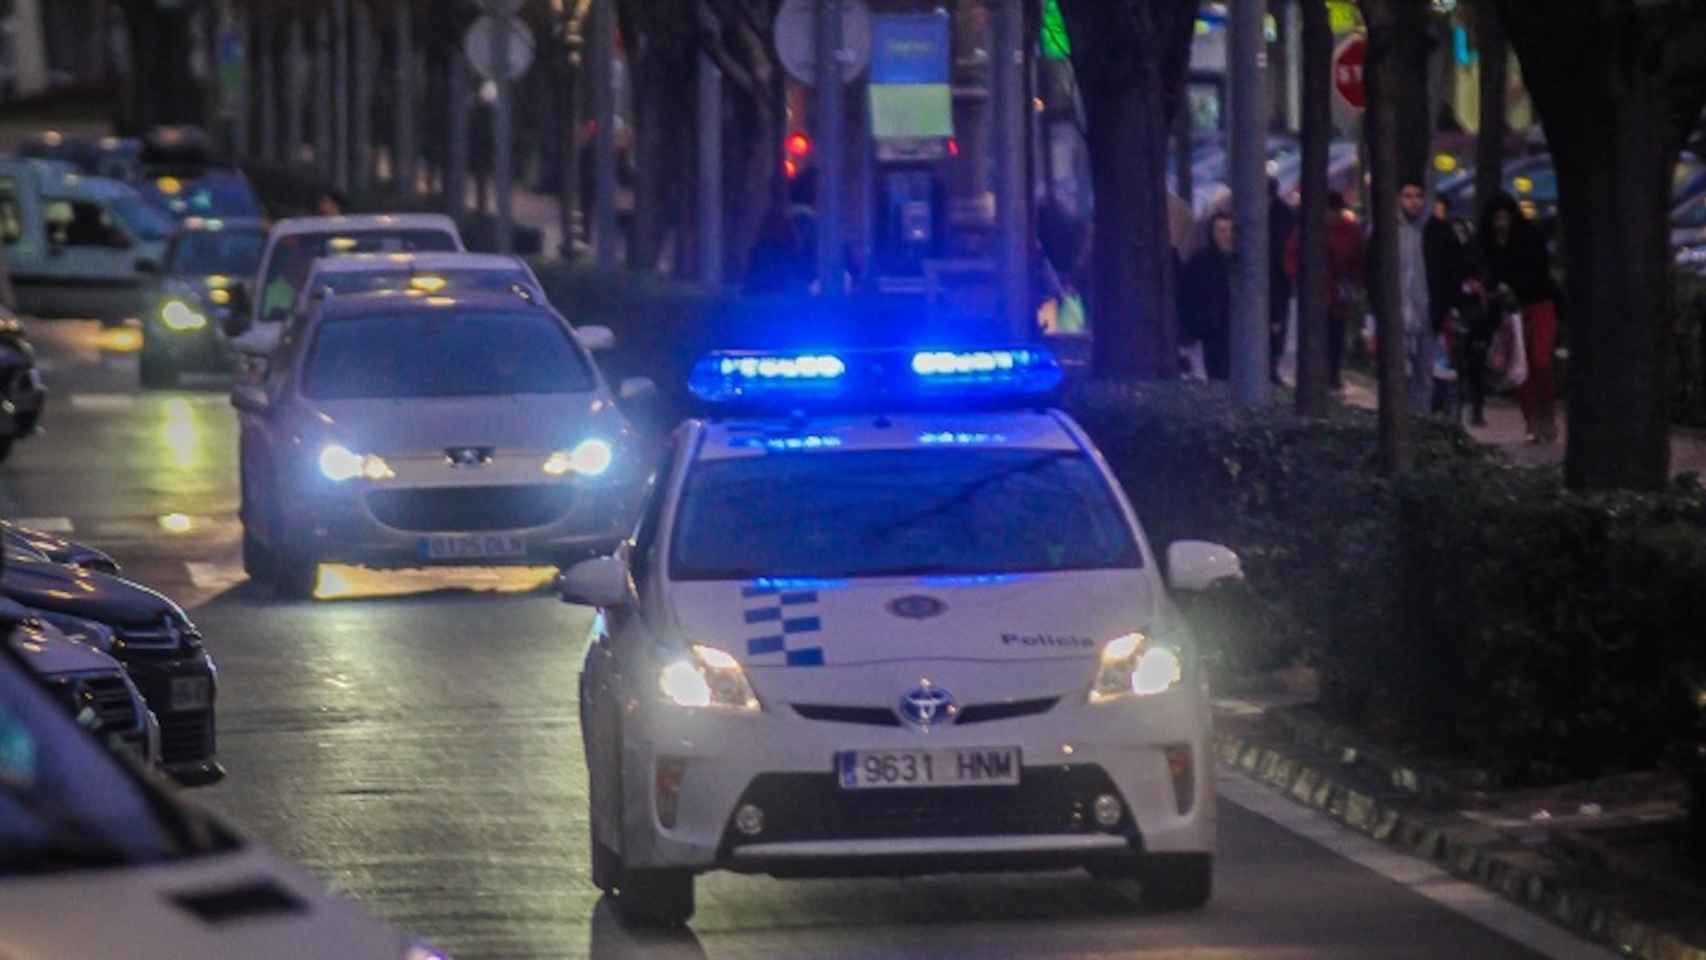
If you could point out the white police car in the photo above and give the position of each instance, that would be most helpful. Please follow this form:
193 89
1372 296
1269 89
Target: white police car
906 641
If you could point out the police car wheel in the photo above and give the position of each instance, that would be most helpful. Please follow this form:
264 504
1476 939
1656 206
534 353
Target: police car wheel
295 573
257 562
1178 881
655 898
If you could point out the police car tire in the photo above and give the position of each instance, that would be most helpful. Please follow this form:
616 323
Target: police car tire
655 898
1178 881
294 574
257 562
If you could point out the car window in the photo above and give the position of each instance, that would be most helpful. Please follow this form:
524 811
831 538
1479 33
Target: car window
204 252
897 513
345 283
447 352
83 224
144 220
294 255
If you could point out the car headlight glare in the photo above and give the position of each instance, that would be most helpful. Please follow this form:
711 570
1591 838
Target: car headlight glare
180 316
1134 665
338 464
590 458
707 677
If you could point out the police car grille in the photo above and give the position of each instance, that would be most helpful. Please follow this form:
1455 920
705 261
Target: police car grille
449 509
885 717
159 635
186 737
812 806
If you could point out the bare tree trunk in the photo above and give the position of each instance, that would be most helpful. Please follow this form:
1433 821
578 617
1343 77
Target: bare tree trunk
1495 80
1413 42
1131 60
266 88
404 151
1385 76
323 93
1312 298
291 77
456 143
362 68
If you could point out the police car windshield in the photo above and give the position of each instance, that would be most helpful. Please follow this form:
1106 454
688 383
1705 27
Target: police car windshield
345 283
443 353
146 222
206 252
898 513
294 255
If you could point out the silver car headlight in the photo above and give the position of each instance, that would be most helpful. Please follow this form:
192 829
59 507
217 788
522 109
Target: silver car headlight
707 677
338 463
589 458
88 632
181 315
1136 665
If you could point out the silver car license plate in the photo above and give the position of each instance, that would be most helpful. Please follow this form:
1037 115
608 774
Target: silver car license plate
495 547
948 767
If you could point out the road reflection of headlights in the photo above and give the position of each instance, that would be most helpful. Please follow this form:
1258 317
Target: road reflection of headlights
338 464
1135 665
707 677
180 316
90 632
590 458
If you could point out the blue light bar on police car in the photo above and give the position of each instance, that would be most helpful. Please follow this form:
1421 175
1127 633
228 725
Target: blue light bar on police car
874 378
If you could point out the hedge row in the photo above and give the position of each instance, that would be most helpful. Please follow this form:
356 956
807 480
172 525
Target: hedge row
1476 607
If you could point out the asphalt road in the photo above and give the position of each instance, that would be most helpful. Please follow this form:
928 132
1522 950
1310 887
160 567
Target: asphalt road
415 744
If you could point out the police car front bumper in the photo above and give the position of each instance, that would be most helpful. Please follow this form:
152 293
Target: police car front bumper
691 771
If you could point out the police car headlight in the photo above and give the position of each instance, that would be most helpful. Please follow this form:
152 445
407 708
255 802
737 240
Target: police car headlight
180 316
590 458
1135 665
338 464
707 677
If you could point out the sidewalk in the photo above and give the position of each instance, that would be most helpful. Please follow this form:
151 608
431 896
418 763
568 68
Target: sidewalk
1505 430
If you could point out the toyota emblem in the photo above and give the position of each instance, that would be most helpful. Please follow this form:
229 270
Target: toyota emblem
926 705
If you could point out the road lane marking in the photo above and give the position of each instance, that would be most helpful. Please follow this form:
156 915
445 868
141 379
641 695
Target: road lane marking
1420 877
45 524
103 402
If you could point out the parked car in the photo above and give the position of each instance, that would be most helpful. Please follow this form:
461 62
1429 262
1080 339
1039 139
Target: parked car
160 647
98 861
115 157
56 548
22 393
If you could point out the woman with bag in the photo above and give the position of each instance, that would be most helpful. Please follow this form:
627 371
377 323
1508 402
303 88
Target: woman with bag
1515 257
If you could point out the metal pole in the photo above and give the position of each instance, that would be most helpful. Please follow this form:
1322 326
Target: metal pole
710 173
502 160
831 152
361 124
293 78
569 205
323 94
1245 60
601 61
266 88
1012 220
340 94
403 161
456 165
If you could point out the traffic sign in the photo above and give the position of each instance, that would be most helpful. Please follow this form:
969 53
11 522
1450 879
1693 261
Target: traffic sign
478 44
1348 59
796 39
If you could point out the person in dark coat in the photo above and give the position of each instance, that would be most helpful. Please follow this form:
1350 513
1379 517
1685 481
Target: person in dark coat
1207 298
1516 260
1282 220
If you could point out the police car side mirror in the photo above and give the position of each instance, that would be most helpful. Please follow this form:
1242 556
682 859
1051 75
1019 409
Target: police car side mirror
595 338
599 582
636 388
1194 566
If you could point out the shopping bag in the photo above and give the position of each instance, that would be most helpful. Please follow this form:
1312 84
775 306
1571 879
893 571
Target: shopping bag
1506 358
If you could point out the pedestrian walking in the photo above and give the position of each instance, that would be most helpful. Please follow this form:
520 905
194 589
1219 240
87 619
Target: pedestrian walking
1518 266
1207 314
1431 271
1282 220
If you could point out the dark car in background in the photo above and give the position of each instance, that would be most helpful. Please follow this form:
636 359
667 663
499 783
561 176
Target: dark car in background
119 158
181 175
159 646
206 265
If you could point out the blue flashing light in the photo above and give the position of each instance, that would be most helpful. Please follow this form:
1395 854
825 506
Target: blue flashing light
873 378
762 585
815 441
937 438
974 579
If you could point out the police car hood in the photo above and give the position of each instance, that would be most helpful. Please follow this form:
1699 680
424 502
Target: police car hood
246 903
843 642
542 422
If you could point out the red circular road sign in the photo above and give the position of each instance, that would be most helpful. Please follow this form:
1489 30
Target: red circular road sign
1348 59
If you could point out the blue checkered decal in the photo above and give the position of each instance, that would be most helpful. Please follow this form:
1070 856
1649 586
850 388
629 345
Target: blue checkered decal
785 617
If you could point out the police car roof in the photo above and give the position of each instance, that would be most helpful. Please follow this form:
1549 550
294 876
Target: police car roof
425 261
293 226
1009 430
411 301
215 224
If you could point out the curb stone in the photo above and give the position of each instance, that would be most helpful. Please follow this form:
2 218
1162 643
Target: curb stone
1480 855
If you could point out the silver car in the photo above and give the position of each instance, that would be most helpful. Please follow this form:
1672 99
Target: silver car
406 430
